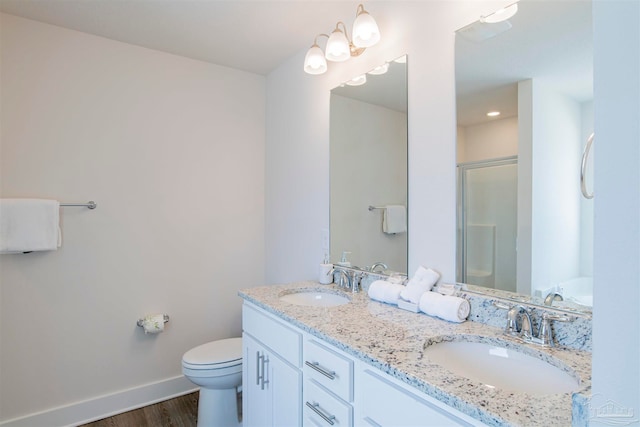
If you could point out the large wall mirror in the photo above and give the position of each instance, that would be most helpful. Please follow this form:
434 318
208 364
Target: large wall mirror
368 146
524 225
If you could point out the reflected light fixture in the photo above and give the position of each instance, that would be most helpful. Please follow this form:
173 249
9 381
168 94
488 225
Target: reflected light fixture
500 15
493 113
380 69
339 46
357 81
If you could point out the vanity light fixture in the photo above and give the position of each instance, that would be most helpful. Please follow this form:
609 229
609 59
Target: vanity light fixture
339 46
493 113
500 15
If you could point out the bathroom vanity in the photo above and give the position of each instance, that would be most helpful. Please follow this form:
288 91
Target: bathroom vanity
360 362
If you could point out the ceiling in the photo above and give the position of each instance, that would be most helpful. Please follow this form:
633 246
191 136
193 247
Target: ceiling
258 36
254 36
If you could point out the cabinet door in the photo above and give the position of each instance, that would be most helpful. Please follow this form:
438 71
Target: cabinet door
256 402
285 384
271 388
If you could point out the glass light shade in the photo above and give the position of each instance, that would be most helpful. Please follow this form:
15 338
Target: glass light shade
500 15
314 62
365 30
337 48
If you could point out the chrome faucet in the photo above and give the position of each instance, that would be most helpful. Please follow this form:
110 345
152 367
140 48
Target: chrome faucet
519 324
349 281
378 264
355 282
526 326
551 297
344 280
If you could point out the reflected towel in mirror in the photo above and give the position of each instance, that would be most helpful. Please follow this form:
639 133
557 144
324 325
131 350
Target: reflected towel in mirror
394 219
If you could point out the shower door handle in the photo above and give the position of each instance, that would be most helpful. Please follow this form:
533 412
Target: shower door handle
583 169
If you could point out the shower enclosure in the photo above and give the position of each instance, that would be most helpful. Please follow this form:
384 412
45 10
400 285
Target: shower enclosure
487 223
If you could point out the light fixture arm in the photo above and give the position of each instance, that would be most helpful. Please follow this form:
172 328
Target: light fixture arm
315 41
353 49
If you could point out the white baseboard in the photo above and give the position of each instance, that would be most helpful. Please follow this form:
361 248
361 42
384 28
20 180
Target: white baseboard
105 406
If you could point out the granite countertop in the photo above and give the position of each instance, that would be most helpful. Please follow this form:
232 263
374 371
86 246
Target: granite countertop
393 340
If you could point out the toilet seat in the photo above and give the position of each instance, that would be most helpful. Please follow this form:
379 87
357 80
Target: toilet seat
226 353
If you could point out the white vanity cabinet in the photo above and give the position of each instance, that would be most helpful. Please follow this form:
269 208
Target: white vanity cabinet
271 375
291 378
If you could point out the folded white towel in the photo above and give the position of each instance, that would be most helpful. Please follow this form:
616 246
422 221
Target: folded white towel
29 225
384 291
394 219
453 309
421 282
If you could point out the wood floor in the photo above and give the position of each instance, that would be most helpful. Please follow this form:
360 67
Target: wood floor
179 412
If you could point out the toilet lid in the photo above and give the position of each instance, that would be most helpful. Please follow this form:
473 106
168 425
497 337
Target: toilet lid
221 353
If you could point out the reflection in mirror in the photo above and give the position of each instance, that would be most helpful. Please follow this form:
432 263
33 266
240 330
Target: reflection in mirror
368 162
523 224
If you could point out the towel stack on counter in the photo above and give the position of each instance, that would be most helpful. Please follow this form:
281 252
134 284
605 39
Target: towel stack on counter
418 295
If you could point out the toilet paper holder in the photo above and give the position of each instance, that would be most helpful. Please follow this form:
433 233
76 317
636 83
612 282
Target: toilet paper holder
140 322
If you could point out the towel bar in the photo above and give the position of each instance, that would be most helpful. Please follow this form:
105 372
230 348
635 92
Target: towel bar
91 204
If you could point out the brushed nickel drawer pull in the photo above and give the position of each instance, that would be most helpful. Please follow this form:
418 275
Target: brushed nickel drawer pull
315 407
316 366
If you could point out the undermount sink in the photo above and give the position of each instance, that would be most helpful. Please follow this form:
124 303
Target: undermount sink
500 367
315 298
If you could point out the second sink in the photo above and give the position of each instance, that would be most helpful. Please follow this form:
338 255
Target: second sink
498 366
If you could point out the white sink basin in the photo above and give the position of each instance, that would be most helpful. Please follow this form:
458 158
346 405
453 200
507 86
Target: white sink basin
314 298
501 367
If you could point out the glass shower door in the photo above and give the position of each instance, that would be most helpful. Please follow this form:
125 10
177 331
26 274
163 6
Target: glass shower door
487 225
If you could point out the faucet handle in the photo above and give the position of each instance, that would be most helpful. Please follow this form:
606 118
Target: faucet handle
546 334
501 305
511 328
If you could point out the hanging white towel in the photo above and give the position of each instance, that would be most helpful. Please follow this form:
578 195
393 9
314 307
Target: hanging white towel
394 219
29 225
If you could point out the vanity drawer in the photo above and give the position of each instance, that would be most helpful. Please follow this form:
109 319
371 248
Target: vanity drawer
272 333
323 409
328 368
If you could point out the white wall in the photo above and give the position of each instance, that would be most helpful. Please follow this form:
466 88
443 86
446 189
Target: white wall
298 139
172 150
491 140
616 327
368 167
556 188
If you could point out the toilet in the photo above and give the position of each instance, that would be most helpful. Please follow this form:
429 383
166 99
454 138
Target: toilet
217 368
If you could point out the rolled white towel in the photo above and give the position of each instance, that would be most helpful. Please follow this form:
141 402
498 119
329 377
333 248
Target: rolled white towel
453 309
421 282
384 291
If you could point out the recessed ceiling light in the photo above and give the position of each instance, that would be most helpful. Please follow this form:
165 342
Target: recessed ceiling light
493 113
